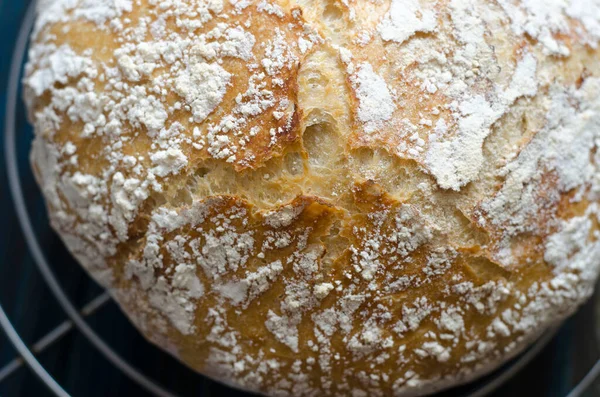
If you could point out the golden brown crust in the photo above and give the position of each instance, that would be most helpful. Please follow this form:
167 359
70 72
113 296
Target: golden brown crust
326 197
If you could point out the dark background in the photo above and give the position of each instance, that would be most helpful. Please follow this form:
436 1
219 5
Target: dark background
83 371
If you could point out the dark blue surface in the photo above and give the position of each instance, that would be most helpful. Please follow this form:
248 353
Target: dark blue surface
82 371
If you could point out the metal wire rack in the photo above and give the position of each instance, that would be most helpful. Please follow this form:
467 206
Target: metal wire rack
77 322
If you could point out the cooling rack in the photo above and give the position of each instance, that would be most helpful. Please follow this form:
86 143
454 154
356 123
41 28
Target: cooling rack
83 321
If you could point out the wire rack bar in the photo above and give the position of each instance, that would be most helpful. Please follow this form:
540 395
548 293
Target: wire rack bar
28 357
54 335
587 381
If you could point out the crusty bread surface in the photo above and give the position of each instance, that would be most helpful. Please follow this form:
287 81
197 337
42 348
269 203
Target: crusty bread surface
325 197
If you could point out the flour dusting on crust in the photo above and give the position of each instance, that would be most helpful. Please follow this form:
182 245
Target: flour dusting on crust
332 198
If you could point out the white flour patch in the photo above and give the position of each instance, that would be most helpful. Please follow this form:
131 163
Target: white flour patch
376 104
404 19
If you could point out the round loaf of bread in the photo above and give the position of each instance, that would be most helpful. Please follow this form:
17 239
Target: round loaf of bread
325 197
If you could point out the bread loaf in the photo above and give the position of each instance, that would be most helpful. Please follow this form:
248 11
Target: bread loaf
325 197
